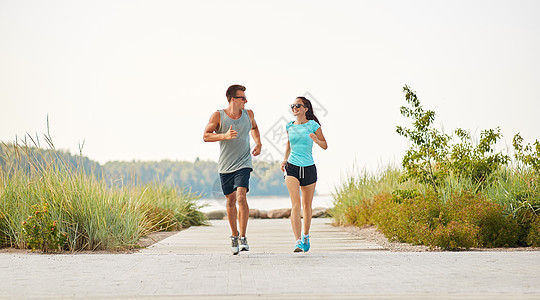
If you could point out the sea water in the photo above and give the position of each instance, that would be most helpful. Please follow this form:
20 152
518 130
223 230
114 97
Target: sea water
265 202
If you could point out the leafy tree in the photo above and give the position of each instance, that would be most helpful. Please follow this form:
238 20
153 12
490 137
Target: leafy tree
477 162
527 155
425 161
432 158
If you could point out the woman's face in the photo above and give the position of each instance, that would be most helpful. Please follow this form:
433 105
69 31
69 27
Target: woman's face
301 110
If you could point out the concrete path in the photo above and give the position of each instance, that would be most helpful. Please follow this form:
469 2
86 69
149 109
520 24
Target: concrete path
264 236
196 263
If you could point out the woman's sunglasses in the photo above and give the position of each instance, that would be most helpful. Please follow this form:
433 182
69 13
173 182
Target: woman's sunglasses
298 105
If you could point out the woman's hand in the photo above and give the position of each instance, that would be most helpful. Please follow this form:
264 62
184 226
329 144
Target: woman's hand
319 139
283 163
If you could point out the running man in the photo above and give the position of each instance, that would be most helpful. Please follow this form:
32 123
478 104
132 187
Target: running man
231 127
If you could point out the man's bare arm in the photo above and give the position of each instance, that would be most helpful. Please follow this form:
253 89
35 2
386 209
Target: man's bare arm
210 132
255 134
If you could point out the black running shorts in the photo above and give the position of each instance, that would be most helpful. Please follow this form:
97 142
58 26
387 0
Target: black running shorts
306 175
231 181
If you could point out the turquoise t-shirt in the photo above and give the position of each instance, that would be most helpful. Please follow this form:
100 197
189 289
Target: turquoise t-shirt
301 143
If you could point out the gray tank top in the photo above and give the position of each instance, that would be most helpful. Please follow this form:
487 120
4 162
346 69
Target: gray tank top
235 154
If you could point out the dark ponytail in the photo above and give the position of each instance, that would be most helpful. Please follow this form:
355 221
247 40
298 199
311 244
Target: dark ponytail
310 115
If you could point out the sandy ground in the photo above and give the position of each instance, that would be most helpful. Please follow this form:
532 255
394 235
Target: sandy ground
371 234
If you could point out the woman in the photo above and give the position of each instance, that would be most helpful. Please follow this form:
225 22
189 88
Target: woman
301 173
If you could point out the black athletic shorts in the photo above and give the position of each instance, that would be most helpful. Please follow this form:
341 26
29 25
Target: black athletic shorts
306 175
231 181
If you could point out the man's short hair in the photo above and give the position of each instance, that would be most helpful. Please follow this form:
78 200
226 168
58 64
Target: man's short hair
231 91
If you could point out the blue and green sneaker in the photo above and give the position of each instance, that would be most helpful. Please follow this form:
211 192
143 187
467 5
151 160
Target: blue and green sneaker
299 247
305 242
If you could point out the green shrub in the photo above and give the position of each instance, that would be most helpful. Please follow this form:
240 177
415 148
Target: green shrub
495 227
529 222
399 195
533 235
41 232
385 216
466 220
362 214
410 221
455 235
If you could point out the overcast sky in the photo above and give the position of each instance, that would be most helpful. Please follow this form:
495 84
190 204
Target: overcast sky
138 80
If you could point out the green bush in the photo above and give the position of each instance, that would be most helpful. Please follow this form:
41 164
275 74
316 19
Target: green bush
363 214
533 235
495 227
396 218
466 220
385 216
410 221
529 222
455 235
400 195
41 232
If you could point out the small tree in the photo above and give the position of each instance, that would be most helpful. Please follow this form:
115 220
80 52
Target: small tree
527 155
425 161
479 162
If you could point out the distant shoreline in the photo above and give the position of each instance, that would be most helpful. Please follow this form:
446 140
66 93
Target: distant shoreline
269 196
266 203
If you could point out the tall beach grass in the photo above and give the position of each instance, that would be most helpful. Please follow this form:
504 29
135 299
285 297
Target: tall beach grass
94 214
359 191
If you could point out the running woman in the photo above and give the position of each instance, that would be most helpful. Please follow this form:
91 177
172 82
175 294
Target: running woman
301 173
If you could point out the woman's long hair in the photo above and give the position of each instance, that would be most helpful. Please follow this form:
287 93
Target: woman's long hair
309 113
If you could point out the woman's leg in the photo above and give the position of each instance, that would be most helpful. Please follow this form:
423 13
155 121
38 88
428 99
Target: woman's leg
307 199
294 192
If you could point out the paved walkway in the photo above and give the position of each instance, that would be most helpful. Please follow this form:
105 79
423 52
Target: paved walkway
264 236
196 263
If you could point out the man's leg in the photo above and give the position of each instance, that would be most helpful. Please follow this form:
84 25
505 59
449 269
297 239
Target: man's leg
243 209
231 212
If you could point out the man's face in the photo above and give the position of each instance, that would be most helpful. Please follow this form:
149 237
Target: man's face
240 99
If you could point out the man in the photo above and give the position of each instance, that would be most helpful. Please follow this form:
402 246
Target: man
231 127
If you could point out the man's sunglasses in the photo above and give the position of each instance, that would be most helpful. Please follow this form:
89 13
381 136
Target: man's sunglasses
297 105
243 98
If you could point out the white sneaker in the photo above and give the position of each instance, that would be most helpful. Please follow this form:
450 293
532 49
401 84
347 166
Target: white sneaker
244 244
234 245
